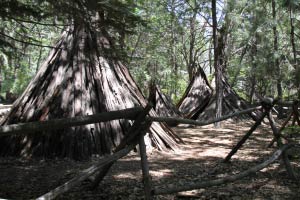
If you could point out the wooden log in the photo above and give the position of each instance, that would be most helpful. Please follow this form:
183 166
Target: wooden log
296 113
145 169
248 134
285 158
281 128
136 129
198 123
55 124
274 129
169 189
86 173
291 173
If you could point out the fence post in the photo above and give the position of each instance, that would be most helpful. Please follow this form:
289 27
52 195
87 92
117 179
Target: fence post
145 168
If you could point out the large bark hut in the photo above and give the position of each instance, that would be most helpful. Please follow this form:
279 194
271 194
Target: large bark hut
163 104
196 96
81 76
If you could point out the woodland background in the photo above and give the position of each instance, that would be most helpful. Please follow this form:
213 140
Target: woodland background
170 42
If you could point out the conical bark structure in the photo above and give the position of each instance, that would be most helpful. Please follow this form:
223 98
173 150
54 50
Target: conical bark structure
231 103
199 100
196 96
163 104
81 76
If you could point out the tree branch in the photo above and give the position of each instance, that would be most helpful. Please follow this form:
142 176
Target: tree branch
28 43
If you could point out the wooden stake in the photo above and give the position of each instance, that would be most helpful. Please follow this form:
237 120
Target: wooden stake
136 129
274 129
281 128
285 158
145 168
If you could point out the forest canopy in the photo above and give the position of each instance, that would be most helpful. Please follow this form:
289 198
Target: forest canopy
165 40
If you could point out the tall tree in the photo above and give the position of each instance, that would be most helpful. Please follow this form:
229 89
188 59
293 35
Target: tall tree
276 53
217 66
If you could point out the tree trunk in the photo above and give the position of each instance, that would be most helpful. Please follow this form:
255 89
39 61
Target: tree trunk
217 67
277 66
173 49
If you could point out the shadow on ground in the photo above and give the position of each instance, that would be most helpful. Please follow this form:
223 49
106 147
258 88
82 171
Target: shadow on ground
199 159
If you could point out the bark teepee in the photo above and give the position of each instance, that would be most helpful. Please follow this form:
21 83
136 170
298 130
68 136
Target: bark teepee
232 102
81 76
196 96
199 100
163 104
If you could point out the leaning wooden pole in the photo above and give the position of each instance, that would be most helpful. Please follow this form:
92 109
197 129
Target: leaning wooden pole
169 189
203 123
281 128
285 158
275 130
133 131
85 174
145 168
267 107
23 128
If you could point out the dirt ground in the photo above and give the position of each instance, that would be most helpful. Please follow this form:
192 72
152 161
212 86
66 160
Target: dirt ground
200 158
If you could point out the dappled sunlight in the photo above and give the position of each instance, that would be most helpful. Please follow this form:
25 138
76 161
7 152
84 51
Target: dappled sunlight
125 175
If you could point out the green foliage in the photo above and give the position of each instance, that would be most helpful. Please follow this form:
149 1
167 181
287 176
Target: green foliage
159 41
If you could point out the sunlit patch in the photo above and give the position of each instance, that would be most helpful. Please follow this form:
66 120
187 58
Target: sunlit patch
162 173
125 175
214 152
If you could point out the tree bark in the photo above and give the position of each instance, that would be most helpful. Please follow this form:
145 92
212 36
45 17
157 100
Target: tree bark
277 65
217 67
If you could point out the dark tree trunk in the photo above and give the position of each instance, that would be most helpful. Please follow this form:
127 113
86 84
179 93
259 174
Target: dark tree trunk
81 76
217 66
173 49
293 37
277 66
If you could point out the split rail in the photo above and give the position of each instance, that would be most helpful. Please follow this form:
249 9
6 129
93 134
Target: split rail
142 122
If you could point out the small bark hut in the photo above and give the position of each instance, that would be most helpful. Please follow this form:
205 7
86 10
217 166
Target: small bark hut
232 102
163 104
81 76
196 96
199 100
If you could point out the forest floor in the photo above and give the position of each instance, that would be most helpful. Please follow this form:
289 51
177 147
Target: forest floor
200 158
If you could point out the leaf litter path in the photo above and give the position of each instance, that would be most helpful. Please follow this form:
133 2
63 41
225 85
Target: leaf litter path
200 158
